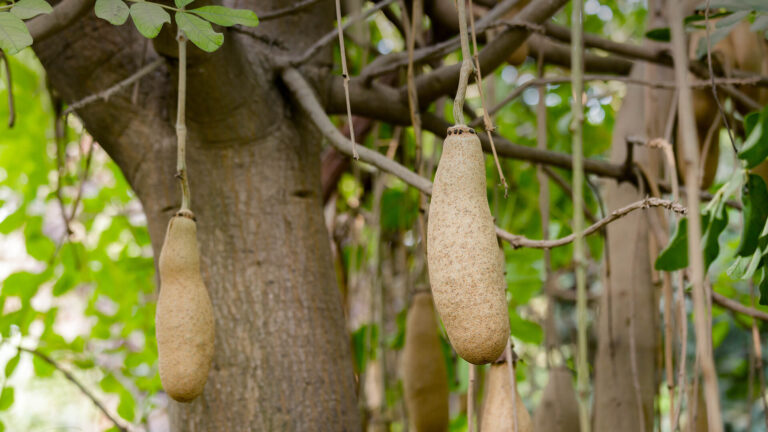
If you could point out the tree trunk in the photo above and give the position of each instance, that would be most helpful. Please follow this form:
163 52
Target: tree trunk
282 359
625 381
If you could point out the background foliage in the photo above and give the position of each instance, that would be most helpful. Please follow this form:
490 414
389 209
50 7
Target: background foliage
87 298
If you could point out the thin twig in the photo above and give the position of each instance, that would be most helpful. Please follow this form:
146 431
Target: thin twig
328 37
486 118
712 79
738 307
104 95
60 135
466 65
517 241
181 126
345 75
9 89
690 144
266 16
76 382
83 179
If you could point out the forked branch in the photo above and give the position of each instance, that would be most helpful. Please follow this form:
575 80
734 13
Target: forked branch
308 101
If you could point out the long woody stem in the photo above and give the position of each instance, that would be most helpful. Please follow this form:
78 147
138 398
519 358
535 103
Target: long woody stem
181 127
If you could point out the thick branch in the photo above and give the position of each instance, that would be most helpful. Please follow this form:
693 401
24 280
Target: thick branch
265 16
63 15
560 54
75 381
383 103
445 79
394 61
308 101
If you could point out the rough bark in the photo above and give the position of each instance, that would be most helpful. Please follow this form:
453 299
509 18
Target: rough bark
625 387
282 359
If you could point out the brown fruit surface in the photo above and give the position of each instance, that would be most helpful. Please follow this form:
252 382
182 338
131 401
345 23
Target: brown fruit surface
425 378
464 270
497 408
184 316
558 410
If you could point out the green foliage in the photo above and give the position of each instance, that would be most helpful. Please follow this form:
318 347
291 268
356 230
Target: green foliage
755 147
199 32
14 35
26 9
227 17
149 18
114 11
754 199
675 255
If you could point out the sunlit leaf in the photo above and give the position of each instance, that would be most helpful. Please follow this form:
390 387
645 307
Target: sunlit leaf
14 35
149 18
26 9
199 31
113 11
227 17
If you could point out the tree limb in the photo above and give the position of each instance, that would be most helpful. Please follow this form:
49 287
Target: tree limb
75 381
270 15
445 79
44 26
306 98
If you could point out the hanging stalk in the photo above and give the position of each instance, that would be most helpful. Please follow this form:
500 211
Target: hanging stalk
577 80
181 126
691 160
466 65
345 74
486 118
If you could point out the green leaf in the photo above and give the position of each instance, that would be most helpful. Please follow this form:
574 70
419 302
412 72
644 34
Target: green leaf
700 17
714 37
114 11
227 17
6 398
525 330
199 31
737 5
675 255
760 24
659 34
149 18
713 224
14 35
755 212
26 9
182 3
127 406
11 365
732 19
110 384
763 287
42 368
755 148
